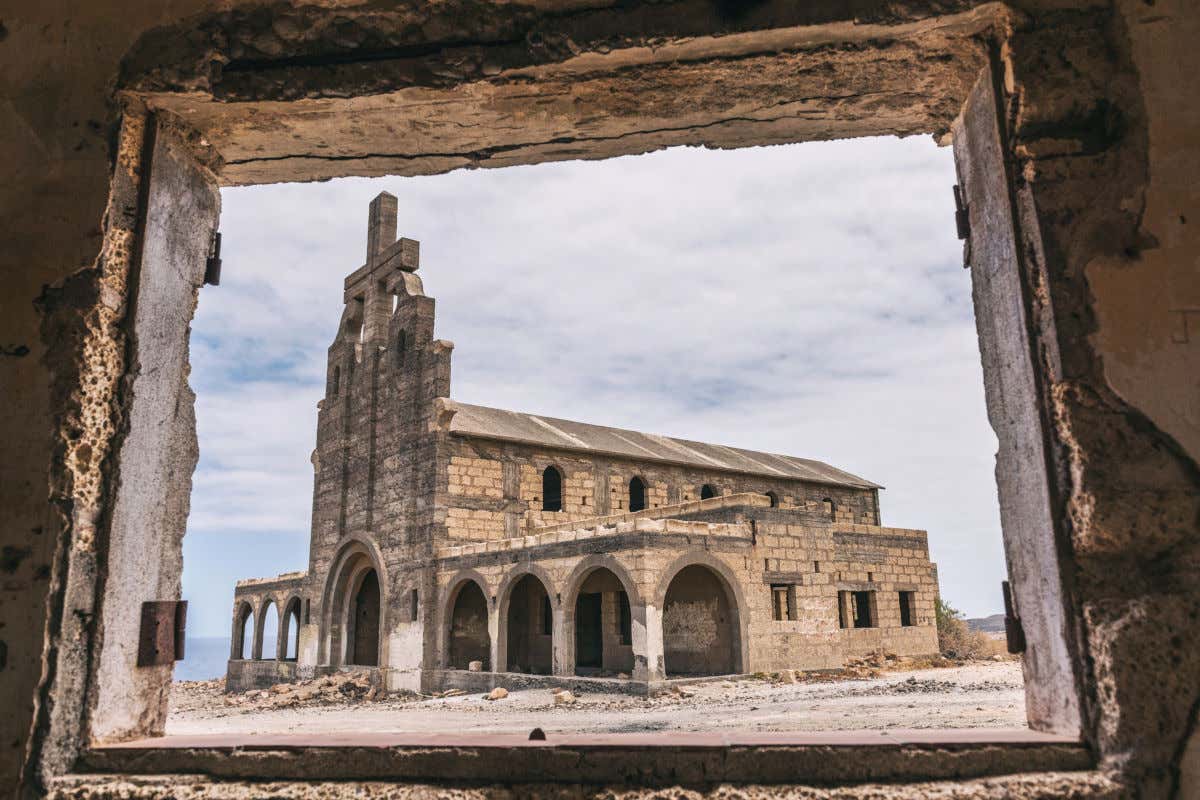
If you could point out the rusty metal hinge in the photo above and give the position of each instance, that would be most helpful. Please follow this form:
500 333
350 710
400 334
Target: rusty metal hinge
1013 632
962 224
160 640
212 267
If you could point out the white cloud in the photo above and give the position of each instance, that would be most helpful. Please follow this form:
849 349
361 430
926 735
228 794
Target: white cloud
802 299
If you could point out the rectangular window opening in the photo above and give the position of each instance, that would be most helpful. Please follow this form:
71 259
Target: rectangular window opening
492 561
908 605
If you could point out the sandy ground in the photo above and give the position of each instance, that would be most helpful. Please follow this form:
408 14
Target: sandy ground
977 695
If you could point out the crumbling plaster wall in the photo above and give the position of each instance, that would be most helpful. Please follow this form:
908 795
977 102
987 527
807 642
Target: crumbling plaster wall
1086 139
1102 135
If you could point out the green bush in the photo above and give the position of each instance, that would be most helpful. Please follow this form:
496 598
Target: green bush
955 638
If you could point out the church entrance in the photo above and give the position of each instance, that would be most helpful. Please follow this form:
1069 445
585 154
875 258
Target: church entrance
364 634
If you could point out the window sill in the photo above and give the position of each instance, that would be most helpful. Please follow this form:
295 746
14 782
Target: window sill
641 759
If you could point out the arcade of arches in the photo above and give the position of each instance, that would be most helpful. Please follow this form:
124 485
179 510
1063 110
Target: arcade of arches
597 628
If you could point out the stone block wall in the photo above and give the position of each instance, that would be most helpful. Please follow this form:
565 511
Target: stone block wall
494 489
816 562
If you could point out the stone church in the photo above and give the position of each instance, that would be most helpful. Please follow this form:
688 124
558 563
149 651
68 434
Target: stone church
455 545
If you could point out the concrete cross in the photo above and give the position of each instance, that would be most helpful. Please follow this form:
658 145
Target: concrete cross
374 283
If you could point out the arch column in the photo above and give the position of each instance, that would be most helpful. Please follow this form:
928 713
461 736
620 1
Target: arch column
648 651
563 659
260 624
496 652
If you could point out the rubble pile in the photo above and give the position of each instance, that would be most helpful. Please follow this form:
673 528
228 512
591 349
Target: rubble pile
342 688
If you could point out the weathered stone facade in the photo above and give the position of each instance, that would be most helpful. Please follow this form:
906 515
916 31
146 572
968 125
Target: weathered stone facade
446 534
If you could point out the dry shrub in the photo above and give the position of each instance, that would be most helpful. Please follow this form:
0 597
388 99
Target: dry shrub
957 640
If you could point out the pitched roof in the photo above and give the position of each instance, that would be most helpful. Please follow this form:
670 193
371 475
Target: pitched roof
563 434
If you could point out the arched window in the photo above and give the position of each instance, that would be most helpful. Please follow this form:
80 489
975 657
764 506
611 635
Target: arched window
401 347
335 383
707 491
774 498
830 507
637 494
551 489
267 647
289 631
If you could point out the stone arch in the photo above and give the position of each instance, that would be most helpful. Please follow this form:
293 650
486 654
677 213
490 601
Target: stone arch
734 598
774 498
538 657
289 630
472 640
241 618
589 564
570 600
708 491
355 558
262 617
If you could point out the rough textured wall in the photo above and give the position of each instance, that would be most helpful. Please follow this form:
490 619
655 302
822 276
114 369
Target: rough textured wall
1099 133
1102 135
1043 786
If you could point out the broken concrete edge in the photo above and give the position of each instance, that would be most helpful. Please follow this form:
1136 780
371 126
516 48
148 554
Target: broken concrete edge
1026 786
237 56
88 308
447 67
630 759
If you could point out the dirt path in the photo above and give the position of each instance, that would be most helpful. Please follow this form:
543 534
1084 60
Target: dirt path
984 695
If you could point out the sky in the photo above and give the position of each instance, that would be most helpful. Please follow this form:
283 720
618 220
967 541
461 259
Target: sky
802 299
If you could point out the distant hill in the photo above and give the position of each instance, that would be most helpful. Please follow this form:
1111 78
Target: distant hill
992 624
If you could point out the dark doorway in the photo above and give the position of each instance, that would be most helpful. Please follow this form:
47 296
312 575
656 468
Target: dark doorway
707 492
529 623
699 628
589 643
364 649
469 637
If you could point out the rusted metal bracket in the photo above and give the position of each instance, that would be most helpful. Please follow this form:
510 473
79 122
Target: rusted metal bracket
962 216
161 638
212 267
962 223
1013 632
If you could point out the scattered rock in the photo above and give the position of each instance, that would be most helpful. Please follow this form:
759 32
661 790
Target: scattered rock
563 697
499 693
475 666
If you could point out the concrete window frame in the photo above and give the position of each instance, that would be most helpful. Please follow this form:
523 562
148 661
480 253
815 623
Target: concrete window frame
176 203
